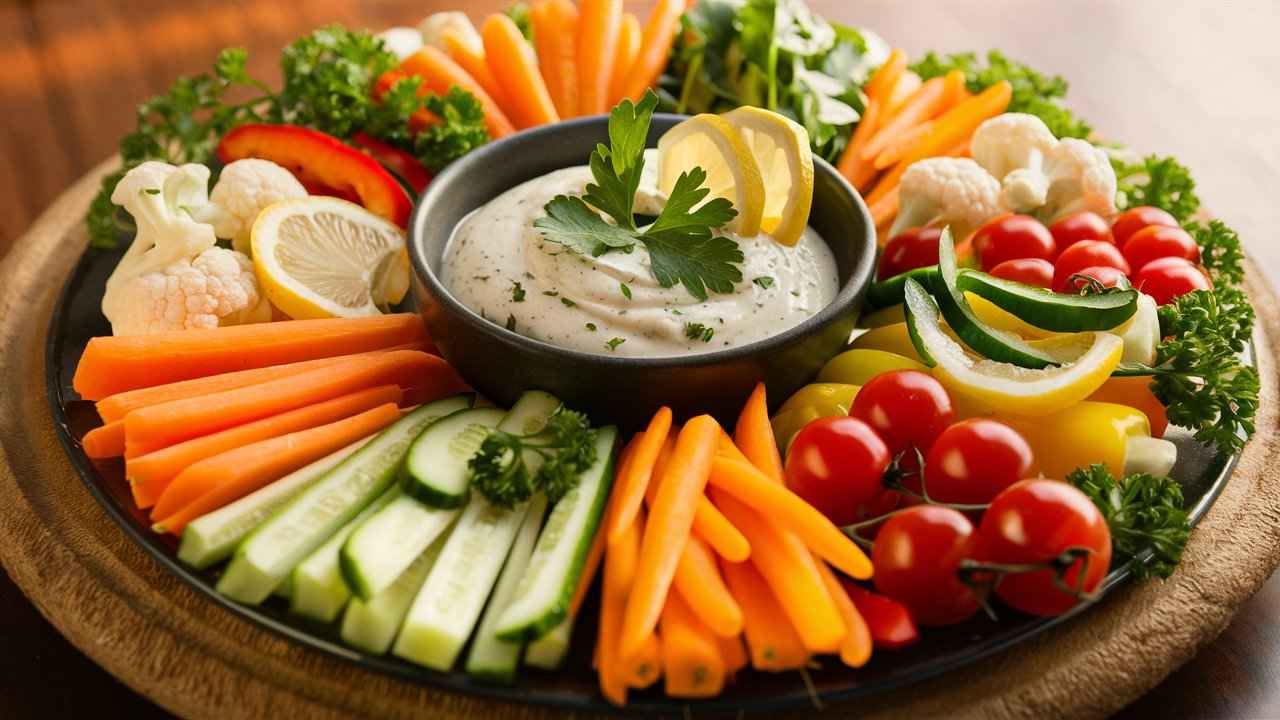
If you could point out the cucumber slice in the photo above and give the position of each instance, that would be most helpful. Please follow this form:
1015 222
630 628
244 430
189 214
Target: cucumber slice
491 659
270 552
210 539
545 591
922 317
318 588
888 292
436 471
371 625
548 652
1049 310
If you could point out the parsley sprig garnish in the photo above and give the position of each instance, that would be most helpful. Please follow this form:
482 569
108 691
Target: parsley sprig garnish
681 243
561 452
1143 512
1162 182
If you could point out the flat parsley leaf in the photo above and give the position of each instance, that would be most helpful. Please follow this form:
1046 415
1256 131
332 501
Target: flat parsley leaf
570 222
617 167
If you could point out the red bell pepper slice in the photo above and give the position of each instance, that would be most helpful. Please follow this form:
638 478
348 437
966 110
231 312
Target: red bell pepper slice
888 620
321 161
408 167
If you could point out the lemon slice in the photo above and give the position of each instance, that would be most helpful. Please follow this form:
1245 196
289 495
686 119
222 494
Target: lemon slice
320 257
781 148
713 144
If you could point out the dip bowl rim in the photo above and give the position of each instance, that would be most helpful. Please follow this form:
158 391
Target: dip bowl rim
849 294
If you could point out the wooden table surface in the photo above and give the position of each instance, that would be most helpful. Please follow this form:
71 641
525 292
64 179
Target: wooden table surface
1192 79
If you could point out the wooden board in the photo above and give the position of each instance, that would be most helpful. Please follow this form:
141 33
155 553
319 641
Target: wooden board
127 613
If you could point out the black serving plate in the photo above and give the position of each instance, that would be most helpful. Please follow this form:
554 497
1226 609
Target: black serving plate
76 318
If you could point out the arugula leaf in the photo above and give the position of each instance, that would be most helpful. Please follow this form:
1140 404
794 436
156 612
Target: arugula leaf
1143 512
1161 182
1220 251
570 222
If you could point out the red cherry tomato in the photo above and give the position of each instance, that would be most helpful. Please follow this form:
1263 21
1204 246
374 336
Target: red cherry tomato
1107 276
1166 278
1035 521
1134 219
1010 237
888 621
1084 225
1086 254
908 250
1032 271
917 558
973 460
837 465
907 408
1157 241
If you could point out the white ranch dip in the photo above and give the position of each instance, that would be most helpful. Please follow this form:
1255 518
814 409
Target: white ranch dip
577 302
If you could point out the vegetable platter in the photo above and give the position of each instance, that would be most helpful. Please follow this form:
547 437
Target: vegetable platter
229 377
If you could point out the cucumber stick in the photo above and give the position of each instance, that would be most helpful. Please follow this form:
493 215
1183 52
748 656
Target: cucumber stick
319 591
270 552
371 625
489 658
435 469
545 591
210 539
548 652
449 603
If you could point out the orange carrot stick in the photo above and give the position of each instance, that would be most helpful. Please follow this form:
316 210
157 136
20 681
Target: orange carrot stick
598 33
954 90
645 667
115 364
884 210
152 428
733 654
638 474
655 45
555 33
698 581
753 434
886 76
628 48
472 60
216 481
922 105
901 144
514 64
774 644
439 73
154 471
104 442
708 523
908 83
691 661
855 650
619 575
668 529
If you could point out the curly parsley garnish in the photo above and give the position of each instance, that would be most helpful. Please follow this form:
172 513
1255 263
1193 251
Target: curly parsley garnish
517 291
1159 181
681 245
764 282
614 343
1143 512
500 470
1220 251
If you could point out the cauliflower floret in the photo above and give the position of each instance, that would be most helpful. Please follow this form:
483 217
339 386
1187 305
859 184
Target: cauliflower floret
946 191
401 41
244 189
1080 177
217 288
434 25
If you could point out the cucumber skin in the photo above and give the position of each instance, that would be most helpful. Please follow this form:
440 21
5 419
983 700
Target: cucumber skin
1063 313
559 611
541 655
913 288
430 496
889 292
351 574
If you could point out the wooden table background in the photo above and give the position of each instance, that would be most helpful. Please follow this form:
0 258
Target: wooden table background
1192 79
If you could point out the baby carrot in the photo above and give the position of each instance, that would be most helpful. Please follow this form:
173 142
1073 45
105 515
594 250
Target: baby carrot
655 45
645 667
104 442
753 435
884 210
855 650
555 35
708 523
471 59
731 650
856 170
667 531
637 475
900 145
886 76
619 574
598 31
691 662
628 48
439 73
515 66
698 581
908 83
771 638
923 104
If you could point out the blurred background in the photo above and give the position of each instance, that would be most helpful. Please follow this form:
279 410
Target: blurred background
1197 80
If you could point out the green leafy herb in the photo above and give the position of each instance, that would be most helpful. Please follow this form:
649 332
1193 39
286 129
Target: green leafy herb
591 327
1143 512
698 331
613 343
626 291
551 293
1161 182
764 282
1220 251
499 470
520 15
567 302
511 323
517 291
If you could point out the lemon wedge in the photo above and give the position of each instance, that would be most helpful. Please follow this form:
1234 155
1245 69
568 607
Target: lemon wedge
713 144
781 149
319 257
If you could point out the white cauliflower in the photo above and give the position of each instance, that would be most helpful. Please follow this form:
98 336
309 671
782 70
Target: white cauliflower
244 189
946 191
434 25
173 276
1080 178
401 41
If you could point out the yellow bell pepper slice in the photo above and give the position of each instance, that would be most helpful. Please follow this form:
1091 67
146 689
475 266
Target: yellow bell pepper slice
856 367
813 401
1081 435
891 315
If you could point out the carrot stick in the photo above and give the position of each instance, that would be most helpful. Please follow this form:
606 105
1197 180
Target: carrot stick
655 45
104 442
753 434
884 210
644 669
954 90
628 48
515 66
856 170
772 640
960 149
555 33
115 407
886 76
152 428
698 581
472 60
902 91
855 650
115 364
787 510
156 470
216 481
597 48
619 575
733 654
668 528
922 105
439 73
900 145
691 660
713 527
637 475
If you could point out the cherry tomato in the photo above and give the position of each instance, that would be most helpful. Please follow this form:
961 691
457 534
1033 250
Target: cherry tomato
1035 521
1157 241
973 460
1032 271
1084 225
908 250
837 465
888 621
907 408
917 558
1107 276
1166 278
1086 254
1010 237
1134 219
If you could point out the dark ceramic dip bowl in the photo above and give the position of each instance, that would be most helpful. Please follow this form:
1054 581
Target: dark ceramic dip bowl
501 364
